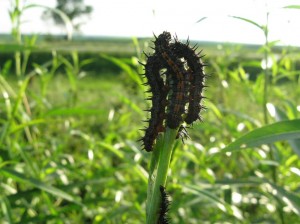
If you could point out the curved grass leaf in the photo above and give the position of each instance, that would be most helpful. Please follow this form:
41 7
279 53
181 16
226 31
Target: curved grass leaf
125 67
131 104
63 16
284 130
281 115
223 206
201 19
19 177
248 21
26 124
291 199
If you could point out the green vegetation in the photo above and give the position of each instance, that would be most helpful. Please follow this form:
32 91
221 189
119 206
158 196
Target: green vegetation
69 150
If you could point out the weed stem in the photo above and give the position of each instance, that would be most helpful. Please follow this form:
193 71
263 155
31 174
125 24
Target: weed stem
165 153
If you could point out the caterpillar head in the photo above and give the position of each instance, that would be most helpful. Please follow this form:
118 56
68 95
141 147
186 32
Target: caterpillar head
163 40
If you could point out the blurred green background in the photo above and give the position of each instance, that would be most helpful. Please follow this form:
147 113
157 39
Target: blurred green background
70 114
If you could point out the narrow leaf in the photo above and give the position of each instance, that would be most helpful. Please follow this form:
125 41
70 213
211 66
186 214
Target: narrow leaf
6 209
17 176
291 199
292 7
223 206
201 19
73 111
249 21
281 115
284 130
26 124
125 67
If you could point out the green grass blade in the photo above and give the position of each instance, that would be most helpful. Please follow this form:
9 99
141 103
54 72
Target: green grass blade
223 206
26 124
280 115
249 21
6 209
73 112
131 104
292 7
291 199
125 67
13 109
284 130
135 167
72 79
20 96
19 177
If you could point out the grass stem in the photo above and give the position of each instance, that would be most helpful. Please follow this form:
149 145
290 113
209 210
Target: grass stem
165 154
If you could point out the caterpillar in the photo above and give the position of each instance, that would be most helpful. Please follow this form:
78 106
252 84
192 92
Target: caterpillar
196 79
176 98
177 76
164 207
159 101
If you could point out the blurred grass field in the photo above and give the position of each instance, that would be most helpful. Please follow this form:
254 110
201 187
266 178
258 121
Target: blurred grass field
70 124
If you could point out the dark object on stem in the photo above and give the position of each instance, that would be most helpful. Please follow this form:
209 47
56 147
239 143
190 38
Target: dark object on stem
176 79
164 207
159 102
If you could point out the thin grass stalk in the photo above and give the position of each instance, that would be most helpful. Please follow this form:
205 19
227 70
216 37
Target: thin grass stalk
16 33
266 73
265 111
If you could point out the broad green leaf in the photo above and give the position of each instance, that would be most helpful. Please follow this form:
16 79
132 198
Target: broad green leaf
284 130
19 177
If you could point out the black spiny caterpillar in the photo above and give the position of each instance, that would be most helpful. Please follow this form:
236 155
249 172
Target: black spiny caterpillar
175 75
164 207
